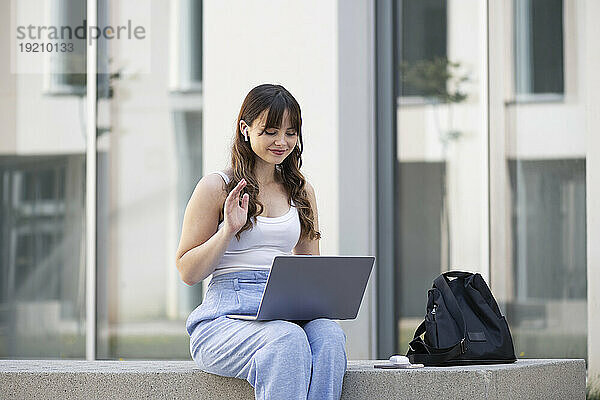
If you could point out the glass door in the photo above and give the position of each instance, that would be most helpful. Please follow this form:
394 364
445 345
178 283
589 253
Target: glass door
42 185
149 161
442 149
538 172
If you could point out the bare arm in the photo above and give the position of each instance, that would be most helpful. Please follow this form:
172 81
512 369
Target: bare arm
308 246
201 246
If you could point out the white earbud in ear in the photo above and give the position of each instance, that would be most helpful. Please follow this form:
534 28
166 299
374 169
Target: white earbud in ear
244 130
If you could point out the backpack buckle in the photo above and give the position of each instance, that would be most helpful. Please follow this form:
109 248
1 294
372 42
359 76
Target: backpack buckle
462 346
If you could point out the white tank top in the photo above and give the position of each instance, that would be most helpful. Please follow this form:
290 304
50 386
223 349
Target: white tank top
258 246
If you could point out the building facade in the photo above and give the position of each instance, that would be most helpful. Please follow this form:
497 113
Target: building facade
439 134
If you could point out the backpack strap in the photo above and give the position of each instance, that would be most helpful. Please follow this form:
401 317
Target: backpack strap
442 284
421 353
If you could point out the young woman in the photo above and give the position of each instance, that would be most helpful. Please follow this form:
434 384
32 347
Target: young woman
235 223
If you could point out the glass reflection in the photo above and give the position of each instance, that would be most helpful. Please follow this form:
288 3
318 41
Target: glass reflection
545 296
42 197
442 149
149 161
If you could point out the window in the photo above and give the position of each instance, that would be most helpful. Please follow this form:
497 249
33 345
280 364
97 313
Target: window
422 31
548 228
41 247
186 49
538 44
66 73
440 178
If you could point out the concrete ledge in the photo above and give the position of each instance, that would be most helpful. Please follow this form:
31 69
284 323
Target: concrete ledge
69 379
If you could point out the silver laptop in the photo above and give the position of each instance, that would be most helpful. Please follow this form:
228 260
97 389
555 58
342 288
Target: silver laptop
301 288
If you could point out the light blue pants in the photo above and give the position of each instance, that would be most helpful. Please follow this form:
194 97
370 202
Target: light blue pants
280 359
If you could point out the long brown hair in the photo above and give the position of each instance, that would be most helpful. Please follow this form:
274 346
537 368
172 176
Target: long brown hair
276 99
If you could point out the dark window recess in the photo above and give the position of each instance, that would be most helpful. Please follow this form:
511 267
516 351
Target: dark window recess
540 63
188 34
418 223
422 35
549 228
40 229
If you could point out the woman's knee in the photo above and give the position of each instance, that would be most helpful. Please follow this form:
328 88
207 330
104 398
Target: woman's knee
195 354
325 329
286 342
287 333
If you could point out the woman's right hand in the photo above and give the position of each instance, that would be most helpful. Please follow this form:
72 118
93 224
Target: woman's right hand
235 215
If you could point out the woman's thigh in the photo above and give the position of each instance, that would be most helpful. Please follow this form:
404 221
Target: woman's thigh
226 347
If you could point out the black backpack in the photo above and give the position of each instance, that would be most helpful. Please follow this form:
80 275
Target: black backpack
463 325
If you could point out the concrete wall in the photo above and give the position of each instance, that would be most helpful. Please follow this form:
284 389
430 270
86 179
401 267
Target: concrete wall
133 380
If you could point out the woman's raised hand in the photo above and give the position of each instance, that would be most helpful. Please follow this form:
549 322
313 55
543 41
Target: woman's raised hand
235 214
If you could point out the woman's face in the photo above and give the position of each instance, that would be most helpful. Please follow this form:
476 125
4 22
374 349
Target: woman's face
272 144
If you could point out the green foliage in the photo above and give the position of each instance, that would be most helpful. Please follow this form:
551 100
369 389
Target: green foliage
438 79
592 391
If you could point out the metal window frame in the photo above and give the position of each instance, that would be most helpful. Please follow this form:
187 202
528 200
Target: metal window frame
90 186
385 138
